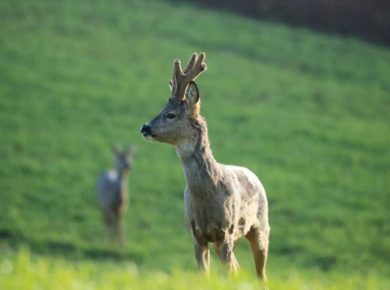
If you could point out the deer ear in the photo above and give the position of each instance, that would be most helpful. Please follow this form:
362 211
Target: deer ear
192 94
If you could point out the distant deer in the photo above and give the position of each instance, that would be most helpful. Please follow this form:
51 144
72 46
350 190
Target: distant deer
222 202
112 193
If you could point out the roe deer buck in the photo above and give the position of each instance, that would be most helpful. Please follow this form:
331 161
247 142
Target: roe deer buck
112 193
222 202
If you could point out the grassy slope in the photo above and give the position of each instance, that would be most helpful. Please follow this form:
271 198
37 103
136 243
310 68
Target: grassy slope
308 113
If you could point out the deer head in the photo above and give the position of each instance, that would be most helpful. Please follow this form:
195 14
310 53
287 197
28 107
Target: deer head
173 124
124 158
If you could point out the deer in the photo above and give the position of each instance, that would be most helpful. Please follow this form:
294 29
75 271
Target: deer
112 193
222 202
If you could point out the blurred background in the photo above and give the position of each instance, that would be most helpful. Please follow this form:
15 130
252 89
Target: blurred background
297 91
365 19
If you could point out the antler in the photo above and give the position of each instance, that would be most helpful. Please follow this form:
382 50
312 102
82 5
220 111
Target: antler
181 79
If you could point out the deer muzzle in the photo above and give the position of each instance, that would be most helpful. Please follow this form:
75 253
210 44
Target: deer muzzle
146 131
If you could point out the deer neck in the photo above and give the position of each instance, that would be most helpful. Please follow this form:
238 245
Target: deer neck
200 167
122 174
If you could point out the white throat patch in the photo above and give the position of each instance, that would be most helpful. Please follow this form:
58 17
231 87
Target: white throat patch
184 150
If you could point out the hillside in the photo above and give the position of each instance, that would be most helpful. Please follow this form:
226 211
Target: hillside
307 112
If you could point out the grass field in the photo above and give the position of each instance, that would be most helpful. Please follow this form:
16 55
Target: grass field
44 273
307 112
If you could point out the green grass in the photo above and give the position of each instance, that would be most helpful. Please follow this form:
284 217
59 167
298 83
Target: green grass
307 112
47 273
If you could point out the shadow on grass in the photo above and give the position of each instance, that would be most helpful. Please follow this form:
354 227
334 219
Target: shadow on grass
66 249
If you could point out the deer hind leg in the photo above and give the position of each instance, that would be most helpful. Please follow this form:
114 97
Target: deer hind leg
202 255
258 240
235 264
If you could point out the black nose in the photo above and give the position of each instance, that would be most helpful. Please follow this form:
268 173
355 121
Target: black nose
145 130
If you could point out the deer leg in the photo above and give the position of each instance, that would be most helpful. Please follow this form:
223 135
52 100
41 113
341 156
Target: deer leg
119 229
227 257
121 232
115 228
202 255
107 218
259 244
236 265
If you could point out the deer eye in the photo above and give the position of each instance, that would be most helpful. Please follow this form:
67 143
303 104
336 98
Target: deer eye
171 116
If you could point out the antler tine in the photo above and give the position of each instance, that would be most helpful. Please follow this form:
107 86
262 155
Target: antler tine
197 68
190 64
181 79
177 71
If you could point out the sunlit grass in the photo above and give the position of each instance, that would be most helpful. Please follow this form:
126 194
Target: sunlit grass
24 272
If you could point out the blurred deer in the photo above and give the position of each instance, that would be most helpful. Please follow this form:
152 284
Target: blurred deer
222 202
112 193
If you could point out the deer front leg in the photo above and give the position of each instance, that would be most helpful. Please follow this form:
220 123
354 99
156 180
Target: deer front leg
121 231
108 220
202 255
226 255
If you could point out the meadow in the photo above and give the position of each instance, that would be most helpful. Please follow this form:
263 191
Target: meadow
307 112
27 272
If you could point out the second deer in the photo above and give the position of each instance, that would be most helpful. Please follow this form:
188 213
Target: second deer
112 193
222 202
